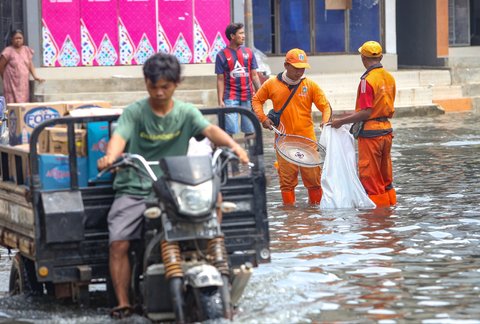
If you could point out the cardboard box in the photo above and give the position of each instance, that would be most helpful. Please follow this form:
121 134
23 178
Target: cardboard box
55 171
54 140
97 139
72 105
24 117
42 141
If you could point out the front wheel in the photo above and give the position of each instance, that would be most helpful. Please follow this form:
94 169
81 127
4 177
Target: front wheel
211 303
22 277
206 303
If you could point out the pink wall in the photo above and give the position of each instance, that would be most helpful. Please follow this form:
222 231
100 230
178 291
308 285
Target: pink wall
137 32
61 37
176 20
99 32
127 32
211 19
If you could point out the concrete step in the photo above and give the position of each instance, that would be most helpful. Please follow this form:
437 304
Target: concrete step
113 84
115 98
447 91
471 89
404 97
116 84
412 78
464 61
208 98
466 75
454 104
404 79
414 88
476 104
328 82
400 111
202 97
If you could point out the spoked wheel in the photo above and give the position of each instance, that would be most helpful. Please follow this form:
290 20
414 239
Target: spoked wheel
22 277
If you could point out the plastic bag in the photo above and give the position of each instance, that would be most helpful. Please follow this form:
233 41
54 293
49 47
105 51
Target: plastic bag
199 147
340 183
4 135
262 59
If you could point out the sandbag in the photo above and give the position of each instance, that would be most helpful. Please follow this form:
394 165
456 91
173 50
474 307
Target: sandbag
340 183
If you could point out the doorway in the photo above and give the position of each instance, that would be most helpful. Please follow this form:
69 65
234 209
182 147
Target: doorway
11 18
475 22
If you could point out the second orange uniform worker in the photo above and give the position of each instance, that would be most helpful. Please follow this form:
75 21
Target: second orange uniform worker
374 106
296 120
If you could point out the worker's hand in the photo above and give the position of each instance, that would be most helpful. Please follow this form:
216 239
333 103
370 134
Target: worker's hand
241 153
336 123
268 124
105 162
39 80
221 104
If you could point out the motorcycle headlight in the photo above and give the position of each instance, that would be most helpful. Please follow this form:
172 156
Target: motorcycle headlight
193 200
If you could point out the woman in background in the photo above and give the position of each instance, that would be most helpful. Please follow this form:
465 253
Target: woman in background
15 68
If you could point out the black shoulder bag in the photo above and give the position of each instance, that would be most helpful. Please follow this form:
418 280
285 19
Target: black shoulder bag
273 115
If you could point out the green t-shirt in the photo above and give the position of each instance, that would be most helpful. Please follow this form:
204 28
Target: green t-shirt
154 137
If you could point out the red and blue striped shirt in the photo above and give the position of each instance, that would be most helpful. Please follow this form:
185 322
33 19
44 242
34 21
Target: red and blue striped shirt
236 67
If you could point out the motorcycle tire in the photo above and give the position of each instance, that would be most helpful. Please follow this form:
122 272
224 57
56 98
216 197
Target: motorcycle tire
211 303
208 303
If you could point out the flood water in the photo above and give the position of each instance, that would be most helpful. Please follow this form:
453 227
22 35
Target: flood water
416 263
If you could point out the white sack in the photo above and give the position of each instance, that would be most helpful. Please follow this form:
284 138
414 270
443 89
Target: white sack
340 183
203 147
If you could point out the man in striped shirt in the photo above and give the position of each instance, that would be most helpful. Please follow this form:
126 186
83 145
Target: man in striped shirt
237 78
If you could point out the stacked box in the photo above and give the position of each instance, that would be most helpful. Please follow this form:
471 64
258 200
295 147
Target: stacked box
72 105
97 139
54 140
24 117
55 171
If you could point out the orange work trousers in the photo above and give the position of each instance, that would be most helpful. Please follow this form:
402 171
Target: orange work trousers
288 174
375 169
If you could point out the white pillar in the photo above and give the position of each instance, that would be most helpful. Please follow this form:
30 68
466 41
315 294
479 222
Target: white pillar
390 27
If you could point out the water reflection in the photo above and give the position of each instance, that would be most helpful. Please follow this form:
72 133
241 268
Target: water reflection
415 263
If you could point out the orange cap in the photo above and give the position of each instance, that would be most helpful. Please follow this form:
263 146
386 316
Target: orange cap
371 49
297 58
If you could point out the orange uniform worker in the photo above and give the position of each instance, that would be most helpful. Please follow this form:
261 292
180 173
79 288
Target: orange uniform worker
374 106
296 119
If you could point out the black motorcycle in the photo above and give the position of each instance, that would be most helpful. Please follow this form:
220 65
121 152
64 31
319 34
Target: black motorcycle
180 268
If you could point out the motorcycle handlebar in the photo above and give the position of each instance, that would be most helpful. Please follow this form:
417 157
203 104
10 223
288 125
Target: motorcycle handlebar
126 159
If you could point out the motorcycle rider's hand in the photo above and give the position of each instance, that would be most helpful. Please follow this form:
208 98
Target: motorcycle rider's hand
241 153
267 123
106 161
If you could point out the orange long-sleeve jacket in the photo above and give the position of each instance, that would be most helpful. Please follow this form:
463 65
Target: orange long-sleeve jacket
297 116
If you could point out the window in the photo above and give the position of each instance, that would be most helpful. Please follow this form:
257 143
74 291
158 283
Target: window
284 24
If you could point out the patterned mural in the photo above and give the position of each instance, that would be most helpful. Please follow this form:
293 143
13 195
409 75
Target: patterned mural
126 32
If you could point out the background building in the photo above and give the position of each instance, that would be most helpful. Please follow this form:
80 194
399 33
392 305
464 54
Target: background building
121 32
90 49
